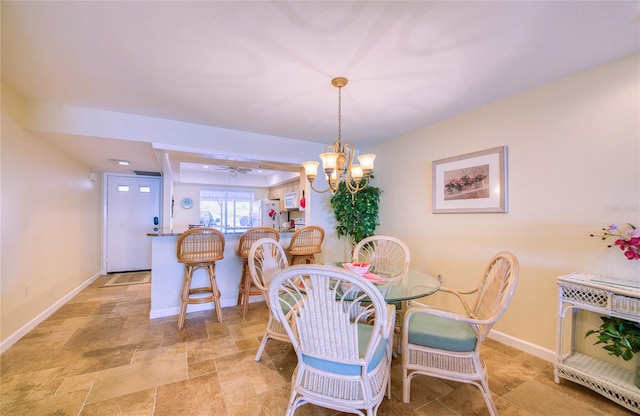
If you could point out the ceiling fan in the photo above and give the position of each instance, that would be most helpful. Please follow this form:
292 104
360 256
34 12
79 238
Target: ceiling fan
233 170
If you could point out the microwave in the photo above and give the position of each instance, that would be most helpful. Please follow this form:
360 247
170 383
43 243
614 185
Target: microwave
291 201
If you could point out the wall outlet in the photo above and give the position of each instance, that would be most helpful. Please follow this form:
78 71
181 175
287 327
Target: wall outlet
27 290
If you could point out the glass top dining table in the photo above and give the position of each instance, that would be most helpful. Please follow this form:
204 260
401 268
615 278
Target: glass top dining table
397 288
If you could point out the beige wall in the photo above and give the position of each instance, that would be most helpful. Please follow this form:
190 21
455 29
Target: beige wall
51 229
574 167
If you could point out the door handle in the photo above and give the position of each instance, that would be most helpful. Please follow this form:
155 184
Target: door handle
155 220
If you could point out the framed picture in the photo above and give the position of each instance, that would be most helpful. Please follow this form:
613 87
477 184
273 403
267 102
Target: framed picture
475 182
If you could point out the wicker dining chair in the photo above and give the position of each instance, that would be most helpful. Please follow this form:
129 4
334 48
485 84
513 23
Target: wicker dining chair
305 244
388 256
245 288
266 258
384 253
344 358
200 248
445 344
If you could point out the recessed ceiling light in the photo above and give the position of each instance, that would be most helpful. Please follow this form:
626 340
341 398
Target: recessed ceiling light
205 166
120 162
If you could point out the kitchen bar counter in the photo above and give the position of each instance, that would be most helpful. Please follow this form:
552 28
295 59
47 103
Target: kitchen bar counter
167 274
163 234
282 232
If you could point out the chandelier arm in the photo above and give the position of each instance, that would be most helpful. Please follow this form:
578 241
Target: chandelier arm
332 147
333 189
322 191
333 185
348 149
353 189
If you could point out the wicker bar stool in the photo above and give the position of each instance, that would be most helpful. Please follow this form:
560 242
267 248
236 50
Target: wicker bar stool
305 243
200 248
246 288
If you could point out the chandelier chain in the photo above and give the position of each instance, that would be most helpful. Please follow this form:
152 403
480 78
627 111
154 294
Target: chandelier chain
339 115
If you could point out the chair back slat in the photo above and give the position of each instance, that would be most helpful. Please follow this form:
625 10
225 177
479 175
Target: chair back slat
266 259
252 235
384 253
200 245
496 287
307 240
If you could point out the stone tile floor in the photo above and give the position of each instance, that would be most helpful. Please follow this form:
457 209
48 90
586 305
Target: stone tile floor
100 354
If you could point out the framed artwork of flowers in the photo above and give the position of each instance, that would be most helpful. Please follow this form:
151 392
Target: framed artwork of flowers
474 182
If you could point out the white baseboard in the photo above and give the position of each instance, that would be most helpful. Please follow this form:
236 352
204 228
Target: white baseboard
161 313
15 337
533 349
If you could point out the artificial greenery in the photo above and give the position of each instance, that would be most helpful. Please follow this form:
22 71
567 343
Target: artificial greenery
622 337
356 214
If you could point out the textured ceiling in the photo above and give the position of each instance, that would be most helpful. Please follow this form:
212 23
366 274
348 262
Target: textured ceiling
266 67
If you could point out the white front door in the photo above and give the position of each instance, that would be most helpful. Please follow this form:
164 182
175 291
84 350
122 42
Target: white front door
133 210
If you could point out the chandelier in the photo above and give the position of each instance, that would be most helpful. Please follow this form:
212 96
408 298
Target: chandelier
337 159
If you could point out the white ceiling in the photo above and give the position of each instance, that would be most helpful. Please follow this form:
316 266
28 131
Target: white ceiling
266 67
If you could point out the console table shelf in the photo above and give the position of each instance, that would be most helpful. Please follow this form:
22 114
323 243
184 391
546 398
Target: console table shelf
604 296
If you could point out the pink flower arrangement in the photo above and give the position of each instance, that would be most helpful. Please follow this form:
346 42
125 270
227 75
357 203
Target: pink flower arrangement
628 241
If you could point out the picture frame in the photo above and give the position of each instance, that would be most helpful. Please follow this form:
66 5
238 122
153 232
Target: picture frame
471 183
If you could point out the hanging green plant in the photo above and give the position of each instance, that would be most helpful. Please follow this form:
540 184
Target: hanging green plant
356 214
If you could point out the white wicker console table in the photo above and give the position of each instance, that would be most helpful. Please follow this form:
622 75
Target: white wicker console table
607 297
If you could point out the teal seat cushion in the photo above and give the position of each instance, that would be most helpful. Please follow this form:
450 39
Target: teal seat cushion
364 333
441 333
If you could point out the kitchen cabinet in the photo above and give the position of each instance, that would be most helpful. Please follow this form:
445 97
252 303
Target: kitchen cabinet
604 296
278 192
275 192
291 187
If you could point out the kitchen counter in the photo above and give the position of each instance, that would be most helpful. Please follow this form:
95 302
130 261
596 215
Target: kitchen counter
167 275
286 232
